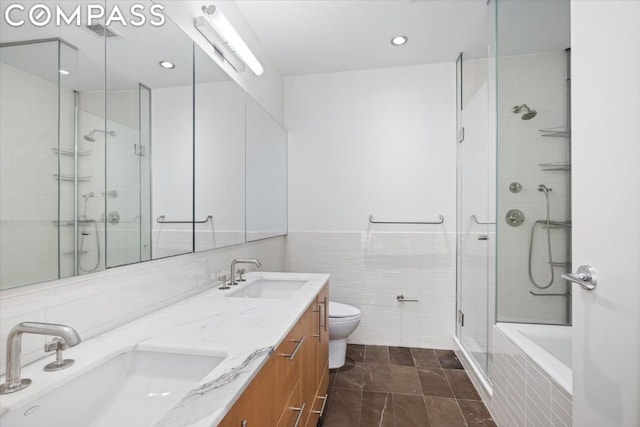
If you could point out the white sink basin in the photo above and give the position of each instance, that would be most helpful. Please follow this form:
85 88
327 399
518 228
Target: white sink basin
133 389
270 289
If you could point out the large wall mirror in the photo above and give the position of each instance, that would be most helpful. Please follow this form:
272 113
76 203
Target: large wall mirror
219 156
266 174
110 158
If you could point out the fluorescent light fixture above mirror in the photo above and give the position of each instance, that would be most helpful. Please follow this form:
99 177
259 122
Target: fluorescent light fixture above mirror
225 39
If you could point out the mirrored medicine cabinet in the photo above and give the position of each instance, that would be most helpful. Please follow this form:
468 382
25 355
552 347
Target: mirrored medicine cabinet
125 144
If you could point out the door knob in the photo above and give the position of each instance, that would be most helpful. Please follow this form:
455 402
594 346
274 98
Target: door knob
585 277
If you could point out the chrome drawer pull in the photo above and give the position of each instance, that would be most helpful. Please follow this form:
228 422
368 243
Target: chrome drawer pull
324 404
295 350
300 412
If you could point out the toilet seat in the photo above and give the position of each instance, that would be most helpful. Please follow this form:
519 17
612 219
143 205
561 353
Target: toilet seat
341 311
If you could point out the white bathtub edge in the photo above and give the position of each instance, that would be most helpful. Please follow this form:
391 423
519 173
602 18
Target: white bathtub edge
558 372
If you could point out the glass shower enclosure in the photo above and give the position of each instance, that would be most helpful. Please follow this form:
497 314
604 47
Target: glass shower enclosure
514 175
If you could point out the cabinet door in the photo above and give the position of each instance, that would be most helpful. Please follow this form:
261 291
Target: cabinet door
323 345
320 401
308 376
292 414
288 366
254 408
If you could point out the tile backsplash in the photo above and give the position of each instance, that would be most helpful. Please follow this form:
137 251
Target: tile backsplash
95 303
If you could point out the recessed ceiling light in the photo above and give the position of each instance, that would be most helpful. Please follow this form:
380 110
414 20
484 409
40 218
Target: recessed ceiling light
168 65
399 40
64 72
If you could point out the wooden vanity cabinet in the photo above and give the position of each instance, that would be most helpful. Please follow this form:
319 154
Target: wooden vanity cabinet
291 389
255 407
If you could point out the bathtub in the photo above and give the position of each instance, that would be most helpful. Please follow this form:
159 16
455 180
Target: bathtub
548 346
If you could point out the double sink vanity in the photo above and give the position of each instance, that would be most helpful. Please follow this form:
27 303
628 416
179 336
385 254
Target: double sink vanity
252 355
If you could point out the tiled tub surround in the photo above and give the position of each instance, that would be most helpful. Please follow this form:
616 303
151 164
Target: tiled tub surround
369 269
207 323
99 302
524 395
402 387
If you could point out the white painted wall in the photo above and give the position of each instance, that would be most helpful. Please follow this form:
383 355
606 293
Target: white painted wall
378 142
605 39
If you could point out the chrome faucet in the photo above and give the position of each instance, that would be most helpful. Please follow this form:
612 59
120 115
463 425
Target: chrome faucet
13 382
241 261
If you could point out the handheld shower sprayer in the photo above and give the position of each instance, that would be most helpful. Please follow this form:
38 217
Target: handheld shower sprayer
544 188
528 112
90 137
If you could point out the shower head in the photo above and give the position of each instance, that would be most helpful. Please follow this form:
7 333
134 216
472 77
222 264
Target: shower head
89 195
90 137
528 113
543 189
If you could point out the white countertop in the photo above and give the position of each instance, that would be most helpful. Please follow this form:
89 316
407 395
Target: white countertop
245 330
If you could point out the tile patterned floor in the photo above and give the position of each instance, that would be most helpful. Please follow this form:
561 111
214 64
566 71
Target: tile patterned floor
403 387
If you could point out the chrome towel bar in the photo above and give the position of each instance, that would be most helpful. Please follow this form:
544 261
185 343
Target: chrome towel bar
401 298
161 220
379 221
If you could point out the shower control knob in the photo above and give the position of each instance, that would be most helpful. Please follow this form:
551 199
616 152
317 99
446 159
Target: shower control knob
113 218
514 218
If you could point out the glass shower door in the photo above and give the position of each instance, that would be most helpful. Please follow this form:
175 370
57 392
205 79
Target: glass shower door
475 219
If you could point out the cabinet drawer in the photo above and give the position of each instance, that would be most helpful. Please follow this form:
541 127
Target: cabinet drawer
288 366
319 402
294 409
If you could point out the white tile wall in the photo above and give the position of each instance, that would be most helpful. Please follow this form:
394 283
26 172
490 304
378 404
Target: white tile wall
95 303
540 81
368 271
523 395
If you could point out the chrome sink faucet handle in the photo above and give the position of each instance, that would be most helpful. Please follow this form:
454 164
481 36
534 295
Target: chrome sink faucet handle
14 346
58 345
223 278
241 261
240 273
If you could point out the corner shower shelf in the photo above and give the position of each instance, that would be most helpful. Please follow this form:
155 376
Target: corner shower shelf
563 166
558 132
71 153
72 178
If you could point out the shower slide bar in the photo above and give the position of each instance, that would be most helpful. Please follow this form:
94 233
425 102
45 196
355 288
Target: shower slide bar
477 221
380 221
161 220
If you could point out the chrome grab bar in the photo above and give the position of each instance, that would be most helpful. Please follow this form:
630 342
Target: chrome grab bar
380 221
585 277
401 298
477 221
161 220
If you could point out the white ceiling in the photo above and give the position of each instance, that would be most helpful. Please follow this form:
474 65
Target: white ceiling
319 36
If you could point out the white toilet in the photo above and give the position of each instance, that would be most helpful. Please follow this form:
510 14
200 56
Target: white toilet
343 319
